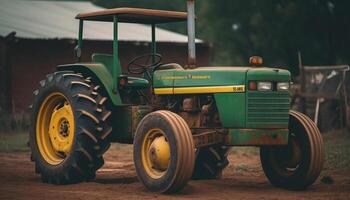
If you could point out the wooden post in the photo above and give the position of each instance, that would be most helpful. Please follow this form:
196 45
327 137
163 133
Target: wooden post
345 98
302 84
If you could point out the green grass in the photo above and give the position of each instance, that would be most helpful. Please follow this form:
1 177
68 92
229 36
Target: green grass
337 150
242 168
337 146
13 141
246 150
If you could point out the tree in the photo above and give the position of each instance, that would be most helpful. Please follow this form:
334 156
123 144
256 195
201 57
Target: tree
275 29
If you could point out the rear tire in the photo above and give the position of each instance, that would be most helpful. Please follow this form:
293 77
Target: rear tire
297 165
89 130
210 162
170 166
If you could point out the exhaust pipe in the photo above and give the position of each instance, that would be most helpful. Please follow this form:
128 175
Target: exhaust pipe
191 34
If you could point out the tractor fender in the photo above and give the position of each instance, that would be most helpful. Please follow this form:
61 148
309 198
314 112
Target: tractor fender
100 73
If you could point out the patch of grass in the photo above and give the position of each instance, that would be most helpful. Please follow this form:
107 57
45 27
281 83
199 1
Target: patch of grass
13 123
241 168
327 180
14 141
337 150
337 146
245 150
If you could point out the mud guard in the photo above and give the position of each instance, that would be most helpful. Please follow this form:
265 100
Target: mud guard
100 73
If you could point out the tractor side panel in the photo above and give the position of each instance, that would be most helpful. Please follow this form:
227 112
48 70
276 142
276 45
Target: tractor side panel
214 77
207 80
163 81
100 73
231 107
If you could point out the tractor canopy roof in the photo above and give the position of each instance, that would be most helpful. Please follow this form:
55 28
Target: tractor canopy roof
134 15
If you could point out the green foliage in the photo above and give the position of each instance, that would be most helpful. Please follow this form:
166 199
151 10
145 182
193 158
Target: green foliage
13 141
178 5
275 29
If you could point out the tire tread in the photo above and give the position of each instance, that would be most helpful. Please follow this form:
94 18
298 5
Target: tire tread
91 143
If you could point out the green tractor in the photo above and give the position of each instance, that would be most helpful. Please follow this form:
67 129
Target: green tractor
182 121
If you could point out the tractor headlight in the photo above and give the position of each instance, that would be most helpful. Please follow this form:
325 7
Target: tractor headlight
283 86
264 86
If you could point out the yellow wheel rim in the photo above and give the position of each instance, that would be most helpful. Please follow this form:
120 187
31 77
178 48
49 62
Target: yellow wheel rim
155 153
55 128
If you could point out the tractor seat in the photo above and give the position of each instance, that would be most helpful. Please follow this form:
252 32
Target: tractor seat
132 82
170 66
105 59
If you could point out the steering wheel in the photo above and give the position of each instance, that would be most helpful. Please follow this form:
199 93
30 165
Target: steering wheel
134 66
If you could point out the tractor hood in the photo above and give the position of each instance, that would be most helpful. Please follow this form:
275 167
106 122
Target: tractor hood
211 77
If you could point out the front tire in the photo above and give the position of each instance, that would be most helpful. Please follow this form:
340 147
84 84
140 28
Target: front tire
297 165
69 128
163 152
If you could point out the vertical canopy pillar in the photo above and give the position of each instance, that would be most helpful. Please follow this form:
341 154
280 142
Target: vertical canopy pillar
154 47
115 54
80 40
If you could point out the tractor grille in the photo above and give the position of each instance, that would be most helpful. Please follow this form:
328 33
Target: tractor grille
268 109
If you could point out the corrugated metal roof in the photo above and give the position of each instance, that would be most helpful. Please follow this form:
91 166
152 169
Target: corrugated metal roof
53 19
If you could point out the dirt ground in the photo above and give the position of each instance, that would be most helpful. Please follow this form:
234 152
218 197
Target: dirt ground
243 179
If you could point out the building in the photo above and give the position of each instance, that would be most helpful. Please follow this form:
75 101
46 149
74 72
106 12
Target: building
36 36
